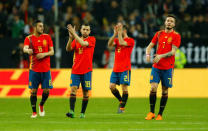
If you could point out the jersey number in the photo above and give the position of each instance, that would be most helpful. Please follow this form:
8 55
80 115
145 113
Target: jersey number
50 83
125 78
170 81
40 49
87 83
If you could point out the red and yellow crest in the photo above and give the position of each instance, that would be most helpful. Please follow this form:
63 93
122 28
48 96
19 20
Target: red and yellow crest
44 42
170 40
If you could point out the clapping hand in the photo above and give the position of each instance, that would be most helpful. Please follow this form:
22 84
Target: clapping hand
71 30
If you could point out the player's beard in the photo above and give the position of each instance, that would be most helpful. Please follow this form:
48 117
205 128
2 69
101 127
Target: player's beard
85 36
169 28
40 32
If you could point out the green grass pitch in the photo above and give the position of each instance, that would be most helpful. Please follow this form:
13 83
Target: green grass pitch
190 114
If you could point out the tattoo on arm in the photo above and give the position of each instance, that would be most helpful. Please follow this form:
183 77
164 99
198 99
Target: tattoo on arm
172 52
167 54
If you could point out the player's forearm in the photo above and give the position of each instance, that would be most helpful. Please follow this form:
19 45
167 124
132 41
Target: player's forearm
171 53
80 40
110 41
121 40
50 53
149 48
68 45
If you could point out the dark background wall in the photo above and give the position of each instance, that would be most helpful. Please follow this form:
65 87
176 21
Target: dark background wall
196 51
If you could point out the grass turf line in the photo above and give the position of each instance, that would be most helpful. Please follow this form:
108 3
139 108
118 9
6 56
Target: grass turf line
180 114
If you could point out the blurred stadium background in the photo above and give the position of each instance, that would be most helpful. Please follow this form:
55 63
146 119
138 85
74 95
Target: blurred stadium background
143 17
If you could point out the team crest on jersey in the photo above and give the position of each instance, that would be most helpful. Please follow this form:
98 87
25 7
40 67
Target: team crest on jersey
119 49
44 42
80 50
170 40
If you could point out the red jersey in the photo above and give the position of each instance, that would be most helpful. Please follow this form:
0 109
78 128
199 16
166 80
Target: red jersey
39 44
123 55
83 55
164 43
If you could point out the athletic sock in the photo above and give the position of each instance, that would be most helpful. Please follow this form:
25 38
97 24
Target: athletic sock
124 99
72 101
116 93
44 98
84 104
33 100
152 99
163 102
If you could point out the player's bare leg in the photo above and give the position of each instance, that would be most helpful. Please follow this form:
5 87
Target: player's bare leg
152 100
45 95
72 100
115 91
163 102
33 101
84 102
124 98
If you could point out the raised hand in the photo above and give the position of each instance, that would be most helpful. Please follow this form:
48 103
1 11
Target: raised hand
71 30
120 27
115 30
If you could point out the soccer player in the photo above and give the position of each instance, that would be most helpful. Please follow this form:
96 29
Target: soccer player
167 41
121 73
40 47
83 48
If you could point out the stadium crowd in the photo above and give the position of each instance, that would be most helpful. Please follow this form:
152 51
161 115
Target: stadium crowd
143 17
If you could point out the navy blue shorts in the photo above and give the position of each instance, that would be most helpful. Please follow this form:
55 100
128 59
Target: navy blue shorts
164 75
43 78
121 77
84 79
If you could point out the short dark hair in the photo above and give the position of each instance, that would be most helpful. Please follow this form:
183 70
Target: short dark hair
85 24
173 16
36 21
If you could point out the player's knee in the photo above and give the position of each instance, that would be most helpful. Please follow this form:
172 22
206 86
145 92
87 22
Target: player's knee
165 93
112 87
33 92
73 90
46 91
124 88
85 94
153 89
